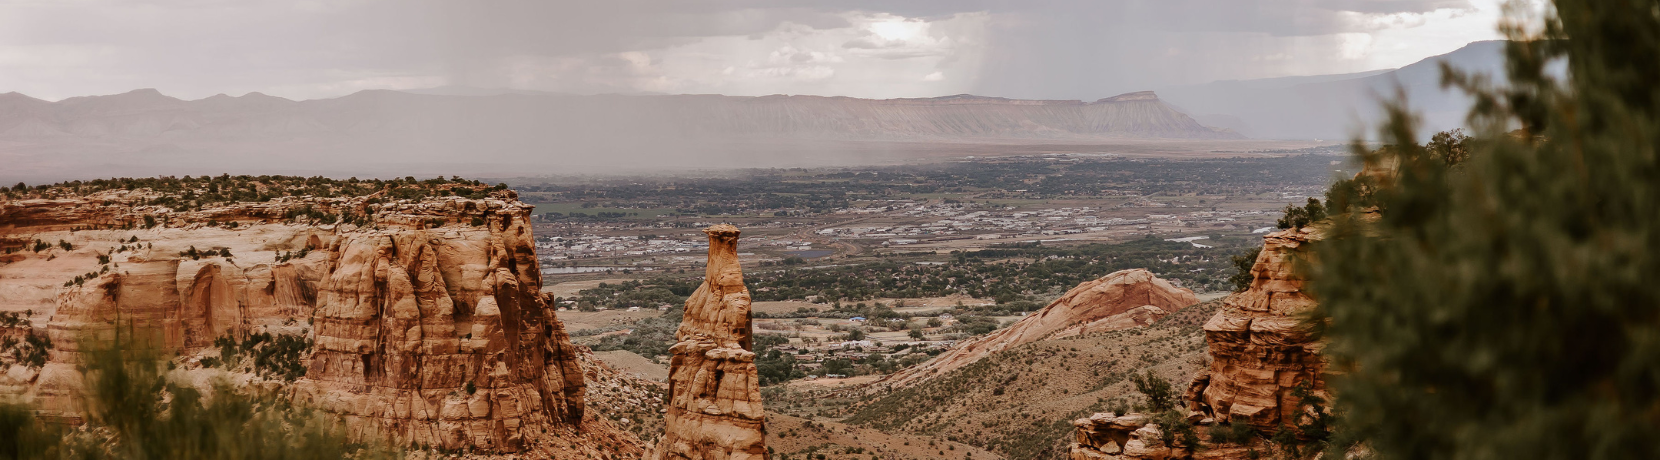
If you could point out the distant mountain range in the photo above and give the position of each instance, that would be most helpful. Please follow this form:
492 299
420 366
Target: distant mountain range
147 113
497 132
1336 107
469 130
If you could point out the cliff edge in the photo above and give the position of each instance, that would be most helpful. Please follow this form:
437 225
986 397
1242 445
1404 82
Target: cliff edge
417 303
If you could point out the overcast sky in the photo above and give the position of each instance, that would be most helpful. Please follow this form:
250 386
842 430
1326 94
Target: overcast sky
1073 49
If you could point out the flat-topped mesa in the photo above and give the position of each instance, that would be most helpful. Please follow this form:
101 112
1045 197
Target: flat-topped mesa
1135 96
424 314
714 409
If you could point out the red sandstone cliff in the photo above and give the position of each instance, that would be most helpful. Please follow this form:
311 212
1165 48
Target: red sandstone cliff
1260 347
428 324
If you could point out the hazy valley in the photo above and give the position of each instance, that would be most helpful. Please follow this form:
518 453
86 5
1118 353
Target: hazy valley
546 230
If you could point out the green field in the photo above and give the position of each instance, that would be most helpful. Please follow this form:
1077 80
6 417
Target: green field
567 208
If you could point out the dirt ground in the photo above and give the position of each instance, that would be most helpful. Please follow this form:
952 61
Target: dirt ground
580 320
639 366
795 437
572 288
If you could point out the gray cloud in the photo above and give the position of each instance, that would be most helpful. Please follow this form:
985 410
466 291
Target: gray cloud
306 49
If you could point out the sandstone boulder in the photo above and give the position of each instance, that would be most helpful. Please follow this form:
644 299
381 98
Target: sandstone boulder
1104 436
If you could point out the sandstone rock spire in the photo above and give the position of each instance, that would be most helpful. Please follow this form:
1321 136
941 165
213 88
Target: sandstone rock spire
1260 346
714 409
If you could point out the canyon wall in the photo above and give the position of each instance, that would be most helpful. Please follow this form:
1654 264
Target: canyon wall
425 316
1119 300
714 410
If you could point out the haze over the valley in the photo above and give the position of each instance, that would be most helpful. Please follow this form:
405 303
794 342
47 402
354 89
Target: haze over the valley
537 88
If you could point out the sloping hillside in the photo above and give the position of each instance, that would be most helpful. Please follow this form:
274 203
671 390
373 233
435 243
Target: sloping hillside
1020 402
1119 300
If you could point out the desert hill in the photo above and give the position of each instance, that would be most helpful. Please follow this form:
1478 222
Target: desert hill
1119 300
380 132
1020 402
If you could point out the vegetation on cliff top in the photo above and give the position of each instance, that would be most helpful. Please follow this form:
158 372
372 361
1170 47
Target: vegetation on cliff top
195 192
135 412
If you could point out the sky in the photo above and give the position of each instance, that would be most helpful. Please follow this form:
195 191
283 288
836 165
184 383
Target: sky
1044 49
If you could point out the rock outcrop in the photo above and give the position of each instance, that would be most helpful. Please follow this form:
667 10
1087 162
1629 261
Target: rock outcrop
1260 348
1261 353
428 324
714 409
441 338
1103 436
1119 300
1132 437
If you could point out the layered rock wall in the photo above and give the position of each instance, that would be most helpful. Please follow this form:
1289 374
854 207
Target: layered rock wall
426 317
714 410
1261 349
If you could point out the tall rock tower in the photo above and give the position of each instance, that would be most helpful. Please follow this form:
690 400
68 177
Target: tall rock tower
714 409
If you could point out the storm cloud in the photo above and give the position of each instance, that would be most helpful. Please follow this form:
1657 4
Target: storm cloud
1081 49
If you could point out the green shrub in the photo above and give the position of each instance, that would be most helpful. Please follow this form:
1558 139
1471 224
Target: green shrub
1161 396
135 413
1242 264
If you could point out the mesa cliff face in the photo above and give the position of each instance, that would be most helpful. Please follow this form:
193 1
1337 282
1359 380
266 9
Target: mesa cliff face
714 410
394 132
425 314
1119 300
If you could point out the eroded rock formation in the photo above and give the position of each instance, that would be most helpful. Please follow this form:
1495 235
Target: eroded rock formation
1119 300
442 339
1261 353
428 325
1260 349
714 409
1132 437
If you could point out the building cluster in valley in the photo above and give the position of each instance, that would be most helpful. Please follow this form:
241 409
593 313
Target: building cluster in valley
958 221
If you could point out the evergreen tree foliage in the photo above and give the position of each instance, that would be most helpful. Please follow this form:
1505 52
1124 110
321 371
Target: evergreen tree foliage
1161 396
1242 264
1502 302
135 413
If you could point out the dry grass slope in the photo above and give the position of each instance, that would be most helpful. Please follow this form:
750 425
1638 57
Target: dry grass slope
1020 402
